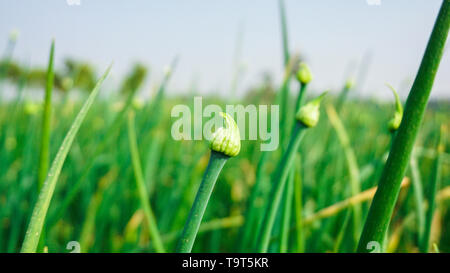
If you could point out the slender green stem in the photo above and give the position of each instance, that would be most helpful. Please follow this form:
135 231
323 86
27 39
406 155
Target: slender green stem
215 165
287 211
288 64
300 97
343 229
44 157
283 100
342 98
142 189
253 206
280 177
284 32
45 196
434 185
418 196
298 191
352 165
384 201
288 198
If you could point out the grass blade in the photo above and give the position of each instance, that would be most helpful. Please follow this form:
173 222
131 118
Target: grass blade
45 196
298 192
287 211
284 32
142 189
44 157
418 196
352 164
434 185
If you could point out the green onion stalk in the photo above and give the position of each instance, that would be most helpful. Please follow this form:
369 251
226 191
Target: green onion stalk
225 143
307 117
393 126
344 93
44 156
39 214
380 212
46 122
304 77
434 184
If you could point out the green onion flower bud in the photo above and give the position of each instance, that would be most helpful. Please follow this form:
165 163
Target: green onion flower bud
227 140
304 75
167 71
13 35
394 123
31 108
138 104
308 115
67 83
349 83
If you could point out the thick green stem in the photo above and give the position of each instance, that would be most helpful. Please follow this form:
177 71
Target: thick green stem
280 177
215 165
389 186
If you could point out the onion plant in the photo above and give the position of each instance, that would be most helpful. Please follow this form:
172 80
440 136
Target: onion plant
45 196
424 243
394 123
380 212
304 77
44 156
352 164
393 126
307 117
225 143
142 189
46 120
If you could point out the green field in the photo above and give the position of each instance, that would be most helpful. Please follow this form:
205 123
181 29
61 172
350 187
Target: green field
126 181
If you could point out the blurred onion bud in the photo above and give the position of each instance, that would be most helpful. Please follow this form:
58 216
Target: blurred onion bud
167 71
67 83
32 108
394 123
13 35
304 75
308 115
138 103
349 83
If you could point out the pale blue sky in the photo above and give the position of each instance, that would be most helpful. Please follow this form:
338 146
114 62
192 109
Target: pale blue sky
331 35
